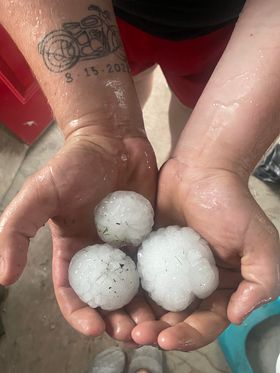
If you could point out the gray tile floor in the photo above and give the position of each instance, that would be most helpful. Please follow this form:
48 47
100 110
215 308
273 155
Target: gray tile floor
37 337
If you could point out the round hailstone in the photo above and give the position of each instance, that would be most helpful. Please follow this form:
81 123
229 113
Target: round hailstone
175 265
124 218
103 276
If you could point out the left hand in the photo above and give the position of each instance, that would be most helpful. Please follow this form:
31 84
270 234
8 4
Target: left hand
217 204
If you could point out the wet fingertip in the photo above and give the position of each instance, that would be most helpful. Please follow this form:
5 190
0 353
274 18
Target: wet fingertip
238 319
147 332
121 336
119 327
136 333
235 316
167 344
90 329
164 344
235 319
141 337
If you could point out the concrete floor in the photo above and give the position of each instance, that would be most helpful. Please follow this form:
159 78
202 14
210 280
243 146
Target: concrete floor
37 337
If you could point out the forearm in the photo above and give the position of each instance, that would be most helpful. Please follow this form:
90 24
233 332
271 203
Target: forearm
85 78
237 116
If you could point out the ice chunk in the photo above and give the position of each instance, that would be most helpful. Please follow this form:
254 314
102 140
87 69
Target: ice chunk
175 264
124 218
103 276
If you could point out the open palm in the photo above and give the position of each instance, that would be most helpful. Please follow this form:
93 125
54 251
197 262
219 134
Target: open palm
65 193
218 204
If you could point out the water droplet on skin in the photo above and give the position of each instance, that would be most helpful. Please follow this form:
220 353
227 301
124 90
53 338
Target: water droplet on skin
52 326
223 117
124 157
147 160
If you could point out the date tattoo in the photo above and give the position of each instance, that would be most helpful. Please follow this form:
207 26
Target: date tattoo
95 36
93 71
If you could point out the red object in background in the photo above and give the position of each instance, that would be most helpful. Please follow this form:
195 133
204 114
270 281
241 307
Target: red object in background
23 107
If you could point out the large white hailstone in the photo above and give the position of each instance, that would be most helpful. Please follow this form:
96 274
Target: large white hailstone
124 218
103 276
175 264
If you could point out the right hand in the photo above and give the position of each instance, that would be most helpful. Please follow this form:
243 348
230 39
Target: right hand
65 193
218 205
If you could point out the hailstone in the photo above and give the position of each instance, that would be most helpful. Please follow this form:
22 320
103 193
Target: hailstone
175 264
124 218
103 276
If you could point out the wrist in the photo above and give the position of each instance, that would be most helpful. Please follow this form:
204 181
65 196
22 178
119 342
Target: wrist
230 136
102 123
94 138
204 158
125 155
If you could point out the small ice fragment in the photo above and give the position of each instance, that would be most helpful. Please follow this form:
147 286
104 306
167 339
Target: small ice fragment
103 276
174 265
124 218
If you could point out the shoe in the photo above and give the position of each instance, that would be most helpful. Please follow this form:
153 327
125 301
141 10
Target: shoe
146 357
111 360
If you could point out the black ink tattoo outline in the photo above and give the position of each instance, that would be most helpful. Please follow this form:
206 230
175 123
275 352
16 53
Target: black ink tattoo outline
95 36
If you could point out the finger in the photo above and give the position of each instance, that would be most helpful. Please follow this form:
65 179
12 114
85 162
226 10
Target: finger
20 221
147 332
118 325
247 298
139 310
82 318
200 328
260 268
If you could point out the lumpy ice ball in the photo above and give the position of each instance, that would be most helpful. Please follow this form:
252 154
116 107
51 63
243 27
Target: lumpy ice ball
175 265
124 218
103 276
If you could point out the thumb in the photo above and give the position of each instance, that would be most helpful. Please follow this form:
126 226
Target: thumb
260 268
20 221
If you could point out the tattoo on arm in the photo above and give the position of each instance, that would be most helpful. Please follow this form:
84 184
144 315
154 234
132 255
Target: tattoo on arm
93 37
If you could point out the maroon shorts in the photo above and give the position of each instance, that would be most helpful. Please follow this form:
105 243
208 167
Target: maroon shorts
187 65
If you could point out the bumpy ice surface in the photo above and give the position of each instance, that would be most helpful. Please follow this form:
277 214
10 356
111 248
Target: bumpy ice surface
124 218
175 265
103 276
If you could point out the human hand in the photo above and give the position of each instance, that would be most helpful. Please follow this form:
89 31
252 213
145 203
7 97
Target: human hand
218 204
66 190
